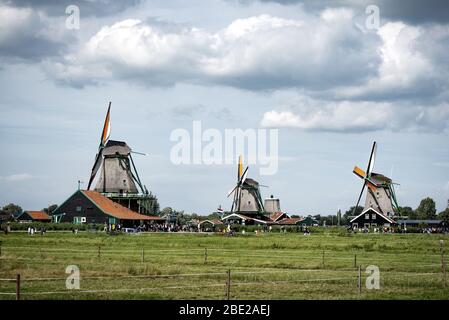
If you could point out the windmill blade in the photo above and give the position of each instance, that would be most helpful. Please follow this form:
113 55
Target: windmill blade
106 128
244 175
139 153
358 200
371 186
97 165
232 191
240 168
372 158
103 140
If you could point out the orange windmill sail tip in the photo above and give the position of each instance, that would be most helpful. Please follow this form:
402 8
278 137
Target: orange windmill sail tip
359 172
107 127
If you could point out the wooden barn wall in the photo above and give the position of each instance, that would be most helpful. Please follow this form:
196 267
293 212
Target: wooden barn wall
88 210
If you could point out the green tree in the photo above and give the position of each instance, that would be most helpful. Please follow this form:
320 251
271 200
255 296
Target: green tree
50 209
12 209
444 215
426 209
166 210
349 213
407 212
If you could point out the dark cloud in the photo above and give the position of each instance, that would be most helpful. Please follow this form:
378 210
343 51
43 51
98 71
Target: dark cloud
410 11
87 7
27 35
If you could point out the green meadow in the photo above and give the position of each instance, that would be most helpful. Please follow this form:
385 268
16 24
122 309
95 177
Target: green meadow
323 265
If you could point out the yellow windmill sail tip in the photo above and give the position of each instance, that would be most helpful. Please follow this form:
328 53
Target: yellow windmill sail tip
240 167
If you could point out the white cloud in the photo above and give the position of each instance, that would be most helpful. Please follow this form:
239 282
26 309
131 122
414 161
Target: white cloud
259 52
347 116
16 177
407 68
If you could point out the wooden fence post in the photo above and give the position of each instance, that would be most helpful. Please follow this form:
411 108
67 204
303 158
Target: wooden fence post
228 285
443 265
205 255
99 251
18 287
143 255
0 248
355 261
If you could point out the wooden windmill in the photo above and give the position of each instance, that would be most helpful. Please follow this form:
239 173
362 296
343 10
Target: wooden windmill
380 189
246 192
119 179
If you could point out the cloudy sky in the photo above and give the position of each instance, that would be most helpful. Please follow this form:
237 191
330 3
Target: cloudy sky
316 70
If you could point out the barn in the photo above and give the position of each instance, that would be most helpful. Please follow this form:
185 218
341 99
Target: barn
34 216
88 206
371 218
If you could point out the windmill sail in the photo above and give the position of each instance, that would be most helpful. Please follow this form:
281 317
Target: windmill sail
103 140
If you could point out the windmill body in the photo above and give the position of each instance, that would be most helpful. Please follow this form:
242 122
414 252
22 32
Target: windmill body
381 198
115 174
380 203
249 200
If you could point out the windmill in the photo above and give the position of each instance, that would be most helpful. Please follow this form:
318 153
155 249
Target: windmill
380 189
246 192
119 179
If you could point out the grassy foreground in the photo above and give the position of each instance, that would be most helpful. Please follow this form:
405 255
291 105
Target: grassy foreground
266 266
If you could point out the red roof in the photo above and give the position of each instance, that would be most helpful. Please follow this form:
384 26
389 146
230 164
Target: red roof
114 209
38 215
290 220
275 216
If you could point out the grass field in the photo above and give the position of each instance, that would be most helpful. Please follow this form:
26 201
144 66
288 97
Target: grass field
267 266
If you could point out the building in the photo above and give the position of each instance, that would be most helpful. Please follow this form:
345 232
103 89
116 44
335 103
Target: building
371 218
272 205
238 218
305 222
210 225
89 206
34 216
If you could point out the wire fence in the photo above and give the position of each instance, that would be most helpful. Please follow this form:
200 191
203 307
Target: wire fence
207 282
329 269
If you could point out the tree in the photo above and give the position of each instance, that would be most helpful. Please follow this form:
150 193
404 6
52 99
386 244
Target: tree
444 215
167 210
50 209
350 212
407 212
426 209
12 209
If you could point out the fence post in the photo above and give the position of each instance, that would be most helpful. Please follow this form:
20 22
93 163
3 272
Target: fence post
443 265
0 248
359 284
99 251
322 262
205 255
18 287
143 255
355 261
228 285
